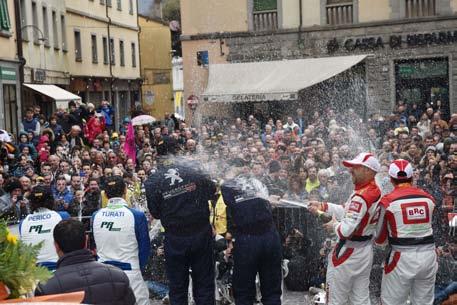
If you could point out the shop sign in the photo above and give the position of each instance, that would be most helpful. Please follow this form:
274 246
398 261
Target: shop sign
7 73
248 97
39 75
392 41
149 98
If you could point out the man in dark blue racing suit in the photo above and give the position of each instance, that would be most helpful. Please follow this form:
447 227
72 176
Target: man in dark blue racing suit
257 247
178 195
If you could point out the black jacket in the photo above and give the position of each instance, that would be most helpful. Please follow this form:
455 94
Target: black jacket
102 284
178 194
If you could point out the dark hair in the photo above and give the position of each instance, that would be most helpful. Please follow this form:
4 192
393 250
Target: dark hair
70 235
41 197
94 179
114 187
399 181
11 184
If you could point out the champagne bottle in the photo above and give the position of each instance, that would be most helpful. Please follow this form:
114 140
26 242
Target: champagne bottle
324 217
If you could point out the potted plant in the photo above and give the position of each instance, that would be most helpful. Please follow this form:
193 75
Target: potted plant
19 273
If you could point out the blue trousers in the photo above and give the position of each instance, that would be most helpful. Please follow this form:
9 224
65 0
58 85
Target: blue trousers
159 289
194 252
260 254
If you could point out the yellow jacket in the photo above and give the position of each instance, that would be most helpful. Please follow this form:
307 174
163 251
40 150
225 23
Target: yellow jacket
218 215
128 198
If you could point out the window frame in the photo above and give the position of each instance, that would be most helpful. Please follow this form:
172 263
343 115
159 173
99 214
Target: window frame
94 48
78 53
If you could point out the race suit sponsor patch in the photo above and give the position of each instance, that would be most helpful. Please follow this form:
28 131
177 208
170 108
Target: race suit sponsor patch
415 212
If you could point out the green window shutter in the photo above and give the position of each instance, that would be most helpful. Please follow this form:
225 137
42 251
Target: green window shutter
265 5
4 16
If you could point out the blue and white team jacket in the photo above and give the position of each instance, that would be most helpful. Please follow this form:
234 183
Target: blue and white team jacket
121 235
38 227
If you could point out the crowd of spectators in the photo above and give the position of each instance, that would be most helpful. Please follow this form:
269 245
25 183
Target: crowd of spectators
297 157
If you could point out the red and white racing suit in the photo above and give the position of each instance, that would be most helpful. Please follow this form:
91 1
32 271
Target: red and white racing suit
411 267
349 267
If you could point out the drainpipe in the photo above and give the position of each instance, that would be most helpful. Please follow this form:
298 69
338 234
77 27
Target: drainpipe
140 82
20 54
300 6
110 58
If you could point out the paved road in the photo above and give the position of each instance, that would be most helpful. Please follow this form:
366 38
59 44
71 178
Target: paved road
289 298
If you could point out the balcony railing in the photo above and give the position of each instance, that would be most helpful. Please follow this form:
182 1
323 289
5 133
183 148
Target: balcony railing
265 20
420 8
340 13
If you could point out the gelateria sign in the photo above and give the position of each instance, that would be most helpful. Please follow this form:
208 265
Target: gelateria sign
392 41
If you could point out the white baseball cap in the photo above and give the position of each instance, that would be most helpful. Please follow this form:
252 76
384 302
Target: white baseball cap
365 159
400 169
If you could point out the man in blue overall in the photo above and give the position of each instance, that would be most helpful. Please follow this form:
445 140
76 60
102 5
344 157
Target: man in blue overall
178 195
122 238
257 246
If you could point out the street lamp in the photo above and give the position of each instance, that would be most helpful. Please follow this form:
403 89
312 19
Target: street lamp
42 38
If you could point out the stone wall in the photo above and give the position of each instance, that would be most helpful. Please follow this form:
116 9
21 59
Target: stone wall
380 69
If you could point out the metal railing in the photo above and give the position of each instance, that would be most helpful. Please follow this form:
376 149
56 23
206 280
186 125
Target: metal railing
340 13
420 8
265 20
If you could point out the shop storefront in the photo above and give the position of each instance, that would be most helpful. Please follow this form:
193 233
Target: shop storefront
406 60
9 96
123 94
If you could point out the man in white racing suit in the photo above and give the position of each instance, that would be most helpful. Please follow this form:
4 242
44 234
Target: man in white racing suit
406 225
354 223
122 238
39 226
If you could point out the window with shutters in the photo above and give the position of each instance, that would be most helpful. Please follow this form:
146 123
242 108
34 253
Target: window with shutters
93 39
131 7
78 49
339 12
105 50
420 8
121 53
5 22
265 15
35 23
25 35
112 52
46 26
63 31
55 31
133 47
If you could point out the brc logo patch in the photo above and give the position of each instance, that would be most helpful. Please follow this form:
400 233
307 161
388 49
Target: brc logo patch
109 225
39 229
355 206
415 212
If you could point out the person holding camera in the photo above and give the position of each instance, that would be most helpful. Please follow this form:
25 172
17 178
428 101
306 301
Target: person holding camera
38 227
13 207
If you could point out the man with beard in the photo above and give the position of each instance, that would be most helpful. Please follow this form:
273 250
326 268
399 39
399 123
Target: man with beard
92 198
354 223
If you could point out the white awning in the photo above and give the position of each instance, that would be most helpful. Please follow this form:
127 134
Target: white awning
61 96
272 80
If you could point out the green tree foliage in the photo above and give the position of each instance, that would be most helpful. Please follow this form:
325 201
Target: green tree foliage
171 10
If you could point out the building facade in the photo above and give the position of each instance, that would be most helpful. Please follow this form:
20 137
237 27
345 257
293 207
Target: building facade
45 48
410 45
156 65
10 89
104 53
